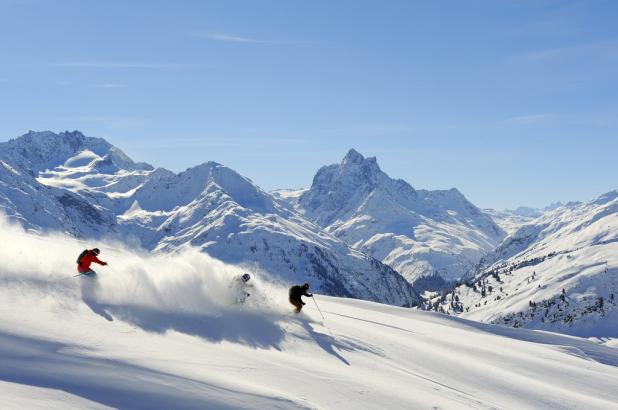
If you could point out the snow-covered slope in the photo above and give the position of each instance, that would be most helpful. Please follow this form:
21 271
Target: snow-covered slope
87 187
417 232
559 273
235 221
288 197
40 151
158 331
30 193
41 207
511 220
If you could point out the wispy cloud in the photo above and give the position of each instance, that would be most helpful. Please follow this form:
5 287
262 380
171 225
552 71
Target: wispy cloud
603 49
121 65
77 85
232 38
198 142
108 85
528 119
369 130
549 18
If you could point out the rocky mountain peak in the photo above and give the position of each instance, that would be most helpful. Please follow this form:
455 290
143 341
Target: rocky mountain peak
352 157
356 163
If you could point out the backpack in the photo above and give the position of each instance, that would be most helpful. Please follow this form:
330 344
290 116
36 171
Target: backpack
81 255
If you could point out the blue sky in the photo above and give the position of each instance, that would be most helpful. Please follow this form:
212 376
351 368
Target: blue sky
512 102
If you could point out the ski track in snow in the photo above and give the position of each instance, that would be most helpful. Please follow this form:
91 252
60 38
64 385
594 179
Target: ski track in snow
174 341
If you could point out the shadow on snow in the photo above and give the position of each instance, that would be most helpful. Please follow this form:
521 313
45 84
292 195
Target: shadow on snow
115 383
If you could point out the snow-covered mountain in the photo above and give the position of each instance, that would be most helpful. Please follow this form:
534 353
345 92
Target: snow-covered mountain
417 232
40 206
148 335
557 273
85 186
510 220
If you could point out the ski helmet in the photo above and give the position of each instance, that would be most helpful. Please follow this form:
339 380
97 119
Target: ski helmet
96 251
245 277
306 285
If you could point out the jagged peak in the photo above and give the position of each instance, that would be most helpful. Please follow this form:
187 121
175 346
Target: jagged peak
69 136
606 197
356 158
76 140
73 134
355 171
40 150
353 157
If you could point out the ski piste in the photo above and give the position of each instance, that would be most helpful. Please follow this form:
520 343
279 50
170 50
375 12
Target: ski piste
160 321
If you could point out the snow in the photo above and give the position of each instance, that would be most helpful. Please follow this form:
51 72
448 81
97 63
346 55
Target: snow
417 232
572 248
511 220
158 331
10 168
82 159
91 189
23 396
178 240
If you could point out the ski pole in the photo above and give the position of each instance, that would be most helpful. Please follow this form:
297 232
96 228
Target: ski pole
323 319
316 305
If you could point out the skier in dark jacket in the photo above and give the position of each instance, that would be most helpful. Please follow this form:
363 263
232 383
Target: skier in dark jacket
85 259
295 296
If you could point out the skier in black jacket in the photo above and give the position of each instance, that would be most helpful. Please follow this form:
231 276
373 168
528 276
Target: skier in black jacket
295 296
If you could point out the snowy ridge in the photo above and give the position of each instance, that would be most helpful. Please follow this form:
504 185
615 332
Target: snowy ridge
558 273
89 188
158 331
417 232
511 220
39 151
41 207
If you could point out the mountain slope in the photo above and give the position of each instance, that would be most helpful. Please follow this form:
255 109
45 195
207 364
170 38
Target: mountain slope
417 232
91 189
237 222
511 220
146 335
559 273
41 207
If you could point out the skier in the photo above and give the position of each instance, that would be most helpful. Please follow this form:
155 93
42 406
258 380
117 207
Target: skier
295 296
86 258
241 286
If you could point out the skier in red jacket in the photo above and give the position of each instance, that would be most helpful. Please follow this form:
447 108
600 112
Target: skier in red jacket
85 259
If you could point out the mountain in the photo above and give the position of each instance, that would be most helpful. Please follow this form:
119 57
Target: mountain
558 273
40 206
85 186
510 220
159 332
416 232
